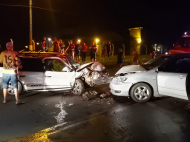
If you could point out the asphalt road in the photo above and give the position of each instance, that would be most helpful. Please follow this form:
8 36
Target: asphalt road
60 117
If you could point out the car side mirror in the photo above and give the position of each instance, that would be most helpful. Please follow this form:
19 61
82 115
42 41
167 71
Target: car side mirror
159 69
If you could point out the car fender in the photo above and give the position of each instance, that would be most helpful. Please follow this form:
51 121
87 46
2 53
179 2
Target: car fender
149 77
76 75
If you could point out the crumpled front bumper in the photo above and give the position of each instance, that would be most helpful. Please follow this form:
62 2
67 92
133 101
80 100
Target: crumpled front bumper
100 81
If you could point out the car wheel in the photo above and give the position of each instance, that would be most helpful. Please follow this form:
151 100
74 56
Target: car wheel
10 90
141 92
78 88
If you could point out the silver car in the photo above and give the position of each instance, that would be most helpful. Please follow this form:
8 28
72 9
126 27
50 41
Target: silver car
165 75
56 72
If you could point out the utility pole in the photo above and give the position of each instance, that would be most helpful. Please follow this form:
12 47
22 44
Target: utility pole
30 25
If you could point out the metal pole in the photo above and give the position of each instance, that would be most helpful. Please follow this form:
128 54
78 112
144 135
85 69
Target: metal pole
30 25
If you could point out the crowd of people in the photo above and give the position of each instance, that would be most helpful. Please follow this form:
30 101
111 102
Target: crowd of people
77 50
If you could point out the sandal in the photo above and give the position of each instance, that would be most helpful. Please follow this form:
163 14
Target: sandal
19 103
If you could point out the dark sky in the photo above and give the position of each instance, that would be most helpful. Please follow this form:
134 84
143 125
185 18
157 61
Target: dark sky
162 21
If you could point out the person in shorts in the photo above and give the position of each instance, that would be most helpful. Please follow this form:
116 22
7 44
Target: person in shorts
11 63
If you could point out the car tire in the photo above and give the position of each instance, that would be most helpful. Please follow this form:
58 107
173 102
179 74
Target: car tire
10 90
141 92
78 88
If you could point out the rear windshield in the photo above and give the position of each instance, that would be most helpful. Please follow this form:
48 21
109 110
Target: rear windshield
155 62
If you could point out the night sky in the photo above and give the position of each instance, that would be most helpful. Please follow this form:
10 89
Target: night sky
162 21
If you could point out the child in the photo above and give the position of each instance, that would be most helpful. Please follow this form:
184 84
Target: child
120 57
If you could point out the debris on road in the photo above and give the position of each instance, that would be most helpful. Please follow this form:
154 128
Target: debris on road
85 96
61 115
97 98
70 104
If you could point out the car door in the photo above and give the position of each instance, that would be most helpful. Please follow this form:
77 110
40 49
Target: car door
58 75
32 73
172 79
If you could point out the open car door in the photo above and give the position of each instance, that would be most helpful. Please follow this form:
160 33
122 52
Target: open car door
58 75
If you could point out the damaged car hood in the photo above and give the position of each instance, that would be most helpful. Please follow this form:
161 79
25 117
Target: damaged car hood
84 66
95 66
131 68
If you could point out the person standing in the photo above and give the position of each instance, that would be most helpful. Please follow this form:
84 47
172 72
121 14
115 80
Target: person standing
55 45
109 48
104 47
93 52
84 49
72 49
11 63
120 57
44 48
77 50
152 54
135 56
61 46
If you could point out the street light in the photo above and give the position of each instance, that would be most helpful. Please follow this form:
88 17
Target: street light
79 41
139 40
97 40
49 39
37 43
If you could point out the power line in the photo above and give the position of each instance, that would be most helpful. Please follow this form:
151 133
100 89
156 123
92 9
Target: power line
28 7
41 8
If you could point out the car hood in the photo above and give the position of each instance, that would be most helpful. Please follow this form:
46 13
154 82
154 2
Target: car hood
130 68
84 66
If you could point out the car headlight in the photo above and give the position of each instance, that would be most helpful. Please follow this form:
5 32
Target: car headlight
121 79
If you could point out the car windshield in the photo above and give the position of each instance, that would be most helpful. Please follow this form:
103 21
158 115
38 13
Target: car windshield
184 42
75 65
155 62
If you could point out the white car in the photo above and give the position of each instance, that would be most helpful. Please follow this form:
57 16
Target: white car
166 75
43 71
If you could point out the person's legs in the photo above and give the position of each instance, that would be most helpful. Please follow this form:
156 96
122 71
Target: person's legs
5 95
84 57
16 95
73 54
5 82
108 52
14 83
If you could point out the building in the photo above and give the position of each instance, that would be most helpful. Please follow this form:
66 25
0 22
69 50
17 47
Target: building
135 39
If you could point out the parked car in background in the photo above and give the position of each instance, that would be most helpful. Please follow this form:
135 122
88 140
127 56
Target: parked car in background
43 71
165 75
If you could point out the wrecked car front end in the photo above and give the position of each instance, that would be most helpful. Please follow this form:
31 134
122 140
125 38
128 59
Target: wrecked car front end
94 73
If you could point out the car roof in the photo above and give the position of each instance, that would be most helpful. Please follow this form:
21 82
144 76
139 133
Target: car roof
40 54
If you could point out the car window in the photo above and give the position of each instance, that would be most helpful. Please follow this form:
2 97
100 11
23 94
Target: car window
54 65
32 64
181 65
